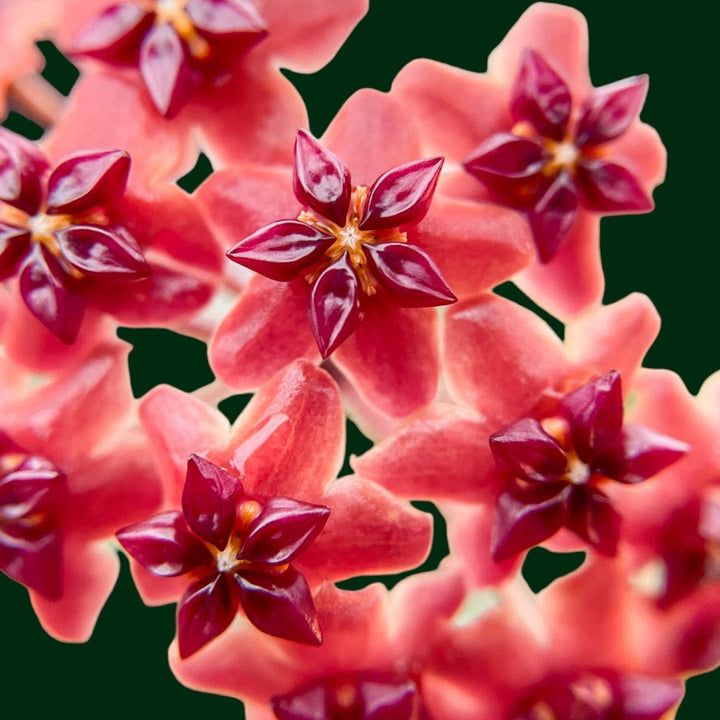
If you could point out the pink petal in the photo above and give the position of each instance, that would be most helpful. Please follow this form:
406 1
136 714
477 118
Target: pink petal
306 401
51 296
284 529
335 310
237 18
281 251
205 611
22 167
209 501
647 452
320 180
280 605
592 517
506 162
442 453
14 245
369 532
266 329
609 188
649 698
392 358
408 275
553 216
164 545
641 151
541 97
490 340
165 69
610 110
475 245
401 195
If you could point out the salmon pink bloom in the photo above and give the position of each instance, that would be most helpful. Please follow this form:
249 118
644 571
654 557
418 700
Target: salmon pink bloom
76 240
534 134
264 521
362 250
64 492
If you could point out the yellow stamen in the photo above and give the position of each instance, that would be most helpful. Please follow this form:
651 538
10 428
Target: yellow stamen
175 13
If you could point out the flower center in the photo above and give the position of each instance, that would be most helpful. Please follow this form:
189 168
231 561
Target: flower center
350 239
563 155
577 471
175 13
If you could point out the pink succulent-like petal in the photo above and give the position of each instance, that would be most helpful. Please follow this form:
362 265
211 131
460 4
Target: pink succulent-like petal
284 529
50 296
490 339
281 251
280 605
335 310
610 110
524 450
592 517
648 698
205 611
553 215
113 34
320 180
164 545
89 180
266 329
525 516
606 187
104 253
14 245
401 196
22 167
392 358
541 97
369 532
209 499
641 151
504 160
647 452
408 275
165 69
237 18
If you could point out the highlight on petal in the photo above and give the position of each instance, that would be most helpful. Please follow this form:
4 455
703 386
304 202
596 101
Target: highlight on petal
22 167
320 180
85 181
507 157
14 245
606 187
408 275
402 195
282 250
610 110
237 18
205 611
209 500
541 97
647 452
335 309
553 216
164 544
280 605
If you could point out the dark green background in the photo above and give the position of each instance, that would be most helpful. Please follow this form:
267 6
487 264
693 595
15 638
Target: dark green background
670 255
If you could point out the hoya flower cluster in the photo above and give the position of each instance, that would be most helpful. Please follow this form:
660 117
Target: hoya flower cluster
351 274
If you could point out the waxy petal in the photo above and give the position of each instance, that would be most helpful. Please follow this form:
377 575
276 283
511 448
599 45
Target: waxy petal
114 34
553 216
106 253
85 181
209 500
50 296
648 698
282 250
164 545
335 310
320 180
14 245
526 451
280 605
591 516
205 611
507 157
610 110
408 275
22 168
402 195
284 529
234 18
165 69
525 517
606 187
541 97
647 452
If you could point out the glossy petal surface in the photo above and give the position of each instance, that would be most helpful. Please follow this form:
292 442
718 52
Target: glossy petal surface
608 187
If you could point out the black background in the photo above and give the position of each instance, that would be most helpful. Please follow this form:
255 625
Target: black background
669 255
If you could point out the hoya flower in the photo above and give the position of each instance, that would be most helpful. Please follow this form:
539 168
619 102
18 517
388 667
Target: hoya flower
511 373
64 492
256 519
533 134
351 236
76 241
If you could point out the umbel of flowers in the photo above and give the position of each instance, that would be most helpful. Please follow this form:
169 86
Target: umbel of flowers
349 275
